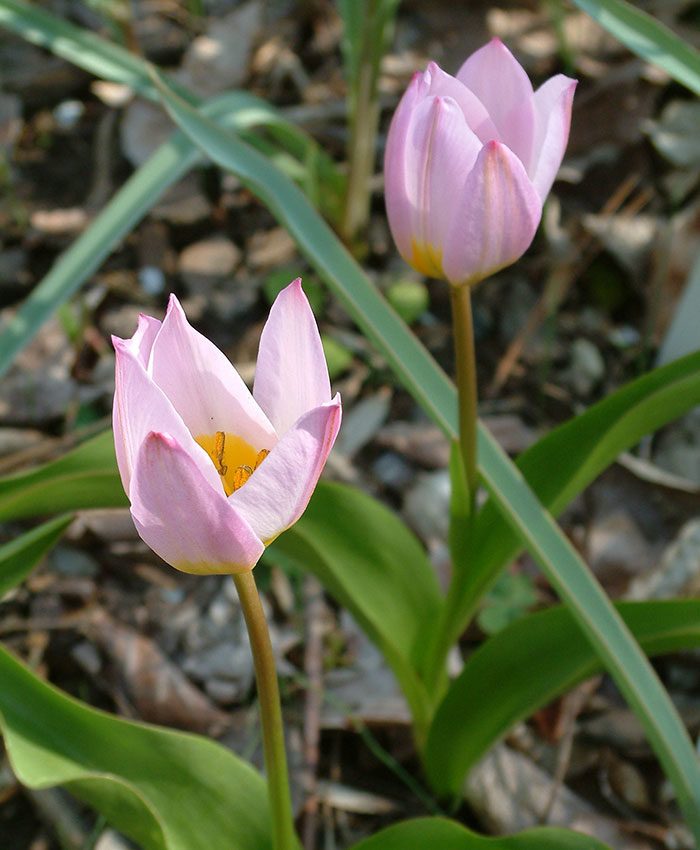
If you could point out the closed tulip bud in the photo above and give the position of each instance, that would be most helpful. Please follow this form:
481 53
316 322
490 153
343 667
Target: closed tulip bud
212 472
469 162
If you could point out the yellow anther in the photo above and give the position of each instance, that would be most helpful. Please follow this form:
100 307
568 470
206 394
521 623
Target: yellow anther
240 475
219 443
234 459
262 454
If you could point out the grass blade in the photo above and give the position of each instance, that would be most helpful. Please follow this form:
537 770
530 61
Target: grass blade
648 38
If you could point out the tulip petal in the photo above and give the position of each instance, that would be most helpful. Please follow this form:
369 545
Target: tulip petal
495 220
495 76
277 493
398 168
475 113
439 151
291 375
142 341
182 518
202 384
552 101
140 407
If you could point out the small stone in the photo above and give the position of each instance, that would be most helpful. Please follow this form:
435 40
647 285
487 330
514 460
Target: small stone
393 471
112 94
270 248
88 657
427 505
68 113
184 203
218 60
678 573
678 448
151 280
72 562
587 366
205 264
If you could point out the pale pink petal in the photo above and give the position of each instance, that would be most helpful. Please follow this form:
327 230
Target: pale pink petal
495 76
142 341
399 163
202 384
439 151
496 219
182 518
140 407
277 493
475 114
291 375
552 101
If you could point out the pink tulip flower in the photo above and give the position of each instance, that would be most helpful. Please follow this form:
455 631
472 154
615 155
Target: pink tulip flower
469 162
212 472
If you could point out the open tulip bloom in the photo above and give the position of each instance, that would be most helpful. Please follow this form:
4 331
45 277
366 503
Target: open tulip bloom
469 162
212 472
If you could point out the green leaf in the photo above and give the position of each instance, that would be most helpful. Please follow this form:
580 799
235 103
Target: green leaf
167 790
565 461
19 557
87 477
79 46
524 514
524 667
442 834
648 38
376 568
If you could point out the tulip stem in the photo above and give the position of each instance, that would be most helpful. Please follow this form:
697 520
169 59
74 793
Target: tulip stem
465 367
284 836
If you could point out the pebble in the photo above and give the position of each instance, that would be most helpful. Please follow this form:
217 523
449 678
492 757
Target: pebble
587 366
427 505
204 264
678 573
678 447
393 471
151 280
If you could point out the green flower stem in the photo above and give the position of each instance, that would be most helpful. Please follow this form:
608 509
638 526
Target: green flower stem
284 836
465 369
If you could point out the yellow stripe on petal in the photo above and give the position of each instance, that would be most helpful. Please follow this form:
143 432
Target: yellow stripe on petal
427 259
235 459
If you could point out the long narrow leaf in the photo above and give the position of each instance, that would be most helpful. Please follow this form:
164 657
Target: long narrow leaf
19 557
86 477
81 47
171 161
525 666
560 562
648 38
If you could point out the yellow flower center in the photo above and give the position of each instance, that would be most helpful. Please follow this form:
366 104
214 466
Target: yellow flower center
234 459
